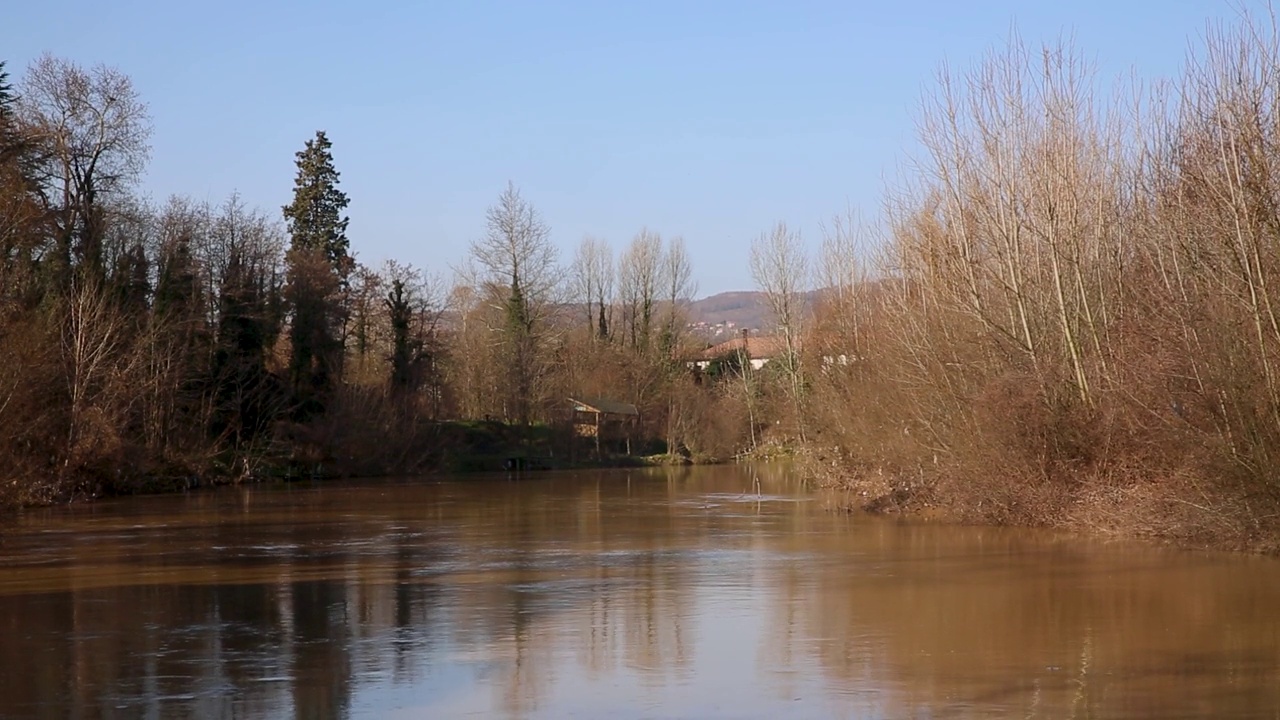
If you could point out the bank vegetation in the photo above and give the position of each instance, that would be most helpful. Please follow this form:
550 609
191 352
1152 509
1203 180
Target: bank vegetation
1072 319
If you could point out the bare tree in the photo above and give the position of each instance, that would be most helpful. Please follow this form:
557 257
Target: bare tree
606 275
639 283
680 288
367 287
842 275
592 278
93 128
99 365
517 263
780 268
473 369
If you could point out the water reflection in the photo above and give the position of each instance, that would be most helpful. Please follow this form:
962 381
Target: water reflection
718 592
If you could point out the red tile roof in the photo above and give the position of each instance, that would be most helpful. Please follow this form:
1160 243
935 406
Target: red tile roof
760 346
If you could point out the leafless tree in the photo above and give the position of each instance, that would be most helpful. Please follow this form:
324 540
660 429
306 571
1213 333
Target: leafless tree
98 364
780 268
474 368
842 275
680 287
367 286
94 129
518 269
256 236
516 252
592 277
640 281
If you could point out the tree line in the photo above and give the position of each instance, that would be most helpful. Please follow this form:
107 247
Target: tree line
146 344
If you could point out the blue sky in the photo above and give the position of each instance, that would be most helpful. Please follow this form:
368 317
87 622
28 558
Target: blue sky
710 120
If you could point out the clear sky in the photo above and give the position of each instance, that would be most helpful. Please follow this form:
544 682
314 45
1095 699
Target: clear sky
710 120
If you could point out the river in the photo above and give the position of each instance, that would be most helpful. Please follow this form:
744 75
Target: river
720 592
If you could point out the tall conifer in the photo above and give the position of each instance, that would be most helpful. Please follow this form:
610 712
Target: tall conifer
315 217
320 267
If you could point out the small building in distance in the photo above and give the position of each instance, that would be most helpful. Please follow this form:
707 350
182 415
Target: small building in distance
610 423
758 349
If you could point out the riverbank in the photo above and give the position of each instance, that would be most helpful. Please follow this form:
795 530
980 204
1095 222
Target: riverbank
443 448
1178 509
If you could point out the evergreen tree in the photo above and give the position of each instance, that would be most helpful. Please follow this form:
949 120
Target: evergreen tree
520 333
315 217
181 317
400 313
178 284
240 332
18 156
319 271
15 146
132 280
22 210
180 307
275 305
314 332
7 98
242 384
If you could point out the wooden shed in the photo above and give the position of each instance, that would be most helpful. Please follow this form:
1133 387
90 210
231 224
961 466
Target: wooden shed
604 420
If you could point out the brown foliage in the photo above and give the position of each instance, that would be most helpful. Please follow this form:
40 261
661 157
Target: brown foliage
1081 329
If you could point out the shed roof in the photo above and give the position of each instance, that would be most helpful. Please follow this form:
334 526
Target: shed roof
603 406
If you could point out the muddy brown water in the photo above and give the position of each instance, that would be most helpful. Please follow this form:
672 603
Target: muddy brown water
722 592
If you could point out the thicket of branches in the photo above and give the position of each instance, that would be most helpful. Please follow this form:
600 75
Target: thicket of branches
1075 316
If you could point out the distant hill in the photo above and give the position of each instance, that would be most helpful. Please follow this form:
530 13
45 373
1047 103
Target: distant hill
724 315
715 318
743 308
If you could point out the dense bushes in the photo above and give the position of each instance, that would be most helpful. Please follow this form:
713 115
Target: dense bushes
1080 327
